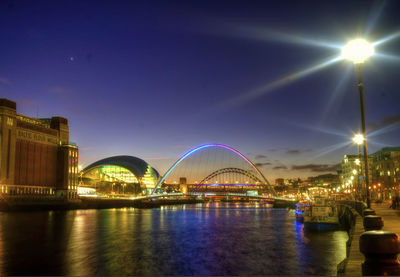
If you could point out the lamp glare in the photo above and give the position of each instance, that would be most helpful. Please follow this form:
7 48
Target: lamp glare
358 139
357 51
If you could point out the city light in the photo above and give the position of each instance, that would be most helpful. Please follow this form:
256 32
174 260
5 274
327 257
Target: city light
358 139
135 88
357 51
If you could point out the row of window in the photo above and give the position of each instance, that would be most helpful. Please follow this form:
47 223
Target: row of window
27 190
73 168
395 173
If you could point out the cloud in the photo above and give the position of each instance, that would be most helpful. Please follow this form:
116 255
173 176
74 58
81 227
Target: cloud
262 164
158 158
89 148
280 167
60 90
386 121
27 102
260 157
4 81
75 110
297 151
318 167
372 126
290 151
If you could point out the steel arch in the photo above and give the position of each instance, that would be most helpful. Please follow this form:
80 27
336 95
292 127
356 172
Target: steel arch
232 170
207 146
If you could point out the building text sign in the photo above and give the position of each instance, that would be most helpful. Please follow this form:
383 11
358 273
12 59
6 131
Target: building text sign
36 137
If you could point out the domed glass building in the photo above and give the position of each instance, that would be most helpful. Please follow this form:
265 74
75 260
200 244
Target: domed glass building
119 175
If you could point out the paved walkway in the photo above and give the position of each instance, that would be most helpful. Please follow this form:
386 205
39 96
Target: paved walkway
391 223
355 258
391 218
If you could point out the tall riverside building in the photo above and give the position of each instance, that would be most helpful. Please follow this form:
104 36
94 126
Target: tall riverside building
386 172
36 157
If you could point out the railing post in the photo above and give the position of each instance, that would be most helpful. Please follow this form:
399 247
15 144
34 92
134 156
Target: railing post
380 249
372 222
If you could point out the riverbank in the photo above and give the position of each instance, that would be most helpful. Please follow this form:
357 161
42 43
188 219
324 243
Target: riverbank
352 265
210 239
53 203
353 222
48 203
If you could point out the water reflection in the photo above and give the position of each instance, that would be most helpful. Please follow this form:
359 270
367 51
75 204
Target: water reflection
201 239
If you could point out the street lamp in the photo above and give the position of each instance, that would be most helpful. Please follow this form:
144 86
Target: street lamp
358 51
359 140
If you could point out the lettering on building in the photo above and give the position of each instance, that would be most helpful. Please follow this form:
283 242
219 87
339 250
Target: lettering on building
22 134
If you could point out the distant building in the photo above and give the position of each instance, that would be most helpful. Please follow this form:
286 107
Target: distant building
384 175
352 175
119 175
183 186
385 172
279 182
36 157
324 180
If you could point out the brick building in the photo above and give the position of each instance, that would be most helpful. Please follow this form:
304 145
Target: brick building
36 157
385 172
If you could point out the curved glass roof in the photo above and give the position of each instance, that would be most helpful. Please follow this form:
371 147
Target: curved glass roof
135 165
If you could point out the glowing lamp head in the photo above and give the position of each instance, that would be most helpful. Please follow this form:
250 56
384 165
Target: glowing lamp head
358 139
357 50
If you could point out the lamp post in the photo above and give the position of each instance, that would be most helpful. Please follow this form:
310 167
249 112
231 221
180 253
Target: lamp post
358 51
359 140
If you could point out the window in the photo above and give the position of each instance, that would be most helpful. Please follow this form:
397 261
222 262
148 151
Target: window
10 121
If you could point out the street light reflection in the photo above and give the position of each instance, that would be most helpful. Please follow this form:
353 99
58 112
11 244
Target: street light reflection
262 90
260 33
388 38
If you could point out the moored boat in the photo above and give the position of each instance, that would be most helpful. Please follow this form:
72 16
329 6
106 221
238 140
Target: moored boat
300 209
321 215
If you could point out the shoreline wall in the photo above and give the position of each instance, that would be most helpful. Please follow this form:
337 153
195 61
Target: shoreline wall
350 218
51 203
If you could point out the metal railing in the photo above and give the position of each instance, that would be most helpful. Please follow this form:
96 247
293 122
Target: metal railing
359 206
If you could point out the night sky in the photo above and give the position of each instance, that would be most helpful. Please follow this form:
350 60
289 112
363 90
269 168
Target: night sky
153 79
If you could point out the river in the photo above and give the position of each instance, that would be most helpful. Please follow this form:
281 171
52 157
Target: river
197 239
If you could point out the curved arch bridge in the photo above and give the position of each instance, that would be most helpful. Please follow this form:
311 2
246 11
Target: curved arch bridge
252 180
241 182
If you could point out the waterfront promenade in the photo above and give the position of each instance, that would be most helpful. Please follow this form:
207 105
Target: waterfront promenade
391 223
391 217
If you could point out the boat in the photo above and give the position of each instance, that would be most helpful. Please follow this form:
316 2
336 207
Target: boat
300 208
321 215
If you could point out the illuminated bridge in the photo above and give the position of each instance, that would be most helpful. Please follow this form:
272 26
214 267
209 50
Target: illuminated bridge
215 170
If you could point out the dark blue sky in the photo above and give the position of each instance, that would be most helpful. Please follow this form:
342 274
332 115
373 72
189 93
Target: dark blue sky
154 78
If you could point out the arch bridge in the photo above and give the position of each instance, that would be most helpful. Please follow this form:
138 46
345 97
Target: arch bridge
256 180
231 170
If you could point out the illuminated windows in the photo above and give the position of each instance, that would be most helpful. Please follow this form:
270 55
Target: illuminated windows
119 175
150 178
